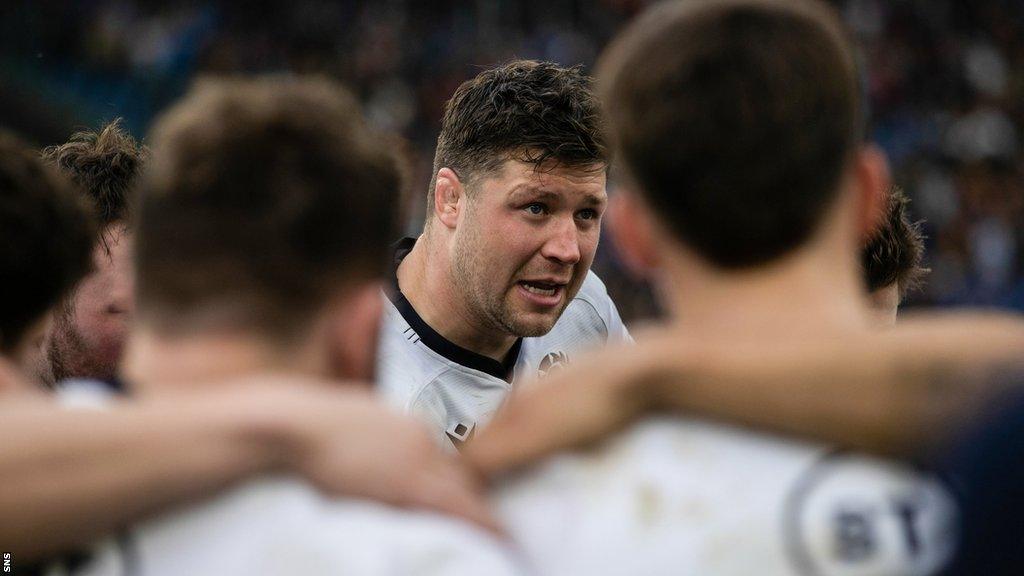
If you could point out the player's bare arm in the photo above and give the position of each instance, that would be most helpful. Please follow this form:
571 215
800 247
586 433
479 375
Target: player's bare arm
70 475
897 393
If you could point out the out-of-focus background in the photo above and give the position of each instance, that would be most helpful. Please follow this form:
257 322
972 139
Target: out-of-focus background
945 80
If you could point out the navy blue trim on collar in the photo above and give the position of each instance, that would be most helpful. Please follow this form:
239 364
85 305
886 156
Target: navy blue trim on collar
436 341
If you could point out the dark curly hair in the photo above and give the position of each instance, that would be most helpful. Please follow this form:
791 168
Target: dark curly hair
104 165
895 251
525 110
46 238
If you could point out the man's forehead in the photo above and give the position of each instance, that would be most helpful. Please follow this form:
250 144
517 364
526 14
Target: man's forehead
553 177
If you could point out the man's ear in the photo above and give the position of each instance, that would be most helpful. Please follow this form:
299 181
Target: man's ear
448 192
633 232
872 180
354 329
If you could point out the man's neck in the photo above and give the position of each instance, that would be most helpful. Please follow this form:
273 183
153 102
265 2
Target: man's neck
13 380
424 277
157 363
805 295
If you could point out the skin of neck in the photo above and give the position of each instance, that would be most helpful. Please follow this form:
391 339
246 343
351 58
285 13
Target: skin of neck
157 361
426 279
812 292
14 382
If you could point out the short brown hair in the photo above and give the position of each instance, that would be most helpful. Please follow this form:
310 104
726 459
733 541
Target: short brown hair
262 198
735 119
895 251
104 165
524 110
46 243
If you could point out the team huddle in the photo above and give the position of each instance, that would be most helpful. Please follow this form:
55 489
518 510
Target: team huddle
219 357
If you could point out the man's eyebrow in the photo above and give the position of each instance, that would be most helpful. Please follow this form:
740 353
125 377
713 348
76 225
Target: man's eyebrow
535 193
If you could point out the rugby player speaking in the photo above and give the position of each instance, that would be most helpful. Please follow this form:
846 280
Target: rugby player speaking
498 288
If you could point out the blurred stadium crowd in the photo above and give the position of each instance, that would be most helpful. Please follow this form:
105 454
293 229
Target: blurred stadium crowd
945 80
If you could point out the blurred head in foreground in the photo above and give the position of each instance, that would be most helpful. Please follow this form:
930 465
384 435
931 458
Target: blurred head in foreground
515 203
738 124
892 258
263 219
45 248
91 324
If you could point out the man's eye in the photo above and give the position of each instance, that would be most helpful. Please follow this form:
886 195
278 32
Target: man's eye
587 214
536 208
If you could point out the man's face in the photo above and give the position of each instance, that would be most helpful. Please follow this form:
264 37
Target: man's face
523 246
89 330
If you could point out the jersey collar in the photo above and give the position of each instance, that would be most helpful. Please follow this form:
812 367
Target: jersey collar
437 342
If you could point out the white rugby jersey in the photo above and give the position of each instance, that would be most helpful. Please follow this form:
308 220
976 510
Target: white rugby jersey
456 390
682 497
281 526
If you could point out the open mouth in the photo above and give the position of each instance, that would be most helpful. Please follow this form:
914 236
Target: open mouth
540 288
542 293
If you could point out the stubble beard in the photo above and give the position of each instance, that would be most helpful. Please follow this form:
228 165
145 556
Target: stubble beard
491 307
68 355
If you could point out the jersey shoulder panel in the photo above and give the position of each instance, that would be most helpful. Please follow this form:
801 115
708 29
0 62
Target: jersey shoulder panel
456 402
594 294
404 365
282 526
674 496
593 288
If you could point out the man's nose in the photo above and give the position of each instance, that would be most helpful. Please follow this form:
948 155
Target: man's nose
564 245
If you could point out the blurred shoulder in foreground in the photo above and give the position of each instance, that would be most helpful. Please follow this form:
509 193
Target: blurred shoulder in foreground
726 499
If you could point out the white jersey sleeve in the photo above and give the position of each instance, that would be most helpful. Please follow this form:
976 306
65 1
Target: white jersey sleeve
595 294
276 527
685 497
